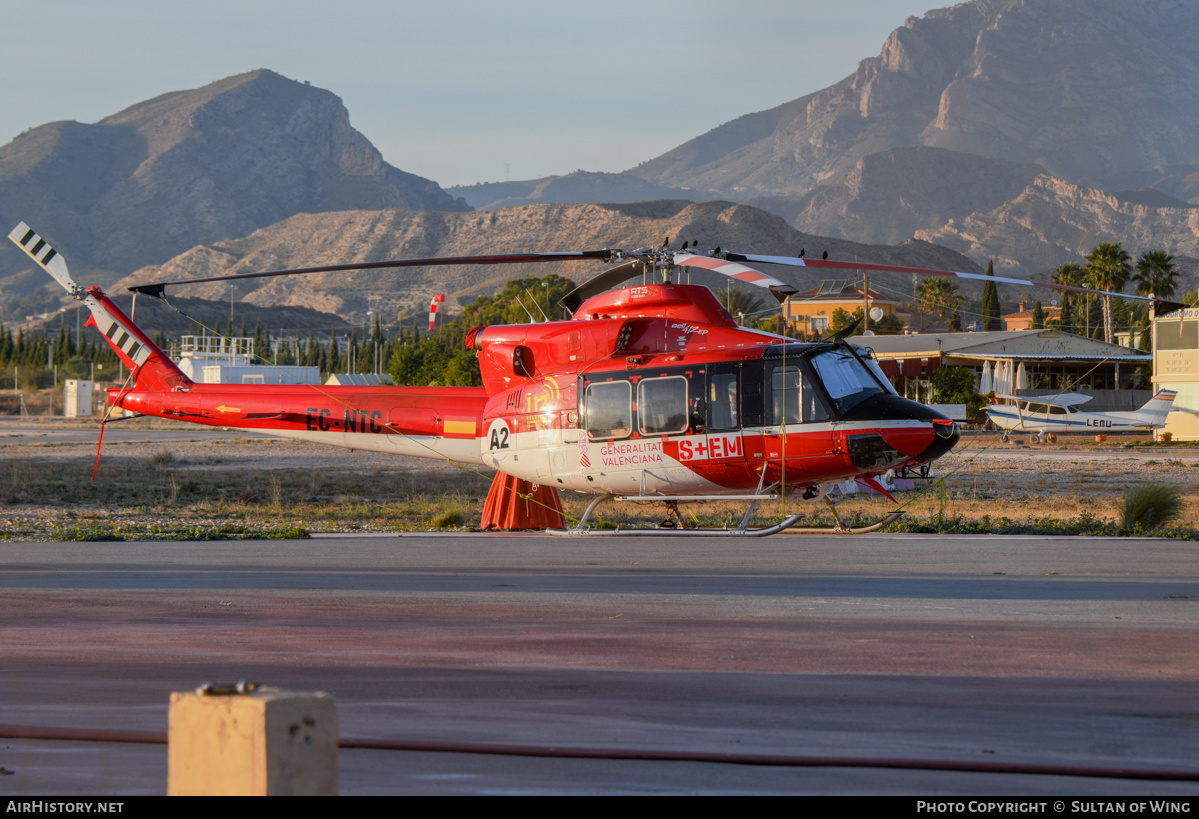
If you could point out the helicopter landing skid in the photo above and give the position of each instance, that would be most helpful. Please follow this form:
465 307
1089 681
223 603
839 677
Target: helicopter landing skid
741 530
842 529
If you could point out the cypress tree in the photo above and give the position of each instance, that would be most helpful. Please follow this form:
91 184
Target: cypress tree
62 349
990 305
334 363
1145 336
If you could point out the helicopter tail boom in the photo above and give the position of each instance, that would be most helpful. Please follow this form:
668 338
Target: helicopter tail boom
430 422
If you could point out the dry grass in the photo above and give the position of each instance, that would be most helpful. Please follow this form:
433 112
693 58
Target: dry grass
156 489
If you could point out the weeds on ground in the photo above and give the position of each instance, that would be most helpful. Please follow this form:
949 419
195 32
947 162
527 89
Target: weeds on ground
184 502
1084 525
95 531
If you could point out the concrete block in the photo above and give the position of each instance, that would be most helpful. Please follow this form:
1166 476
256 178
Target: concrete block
266 743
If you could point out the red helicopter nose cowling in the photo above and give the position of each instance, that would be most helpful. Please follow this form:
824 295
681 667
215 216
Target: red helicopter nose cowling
910 442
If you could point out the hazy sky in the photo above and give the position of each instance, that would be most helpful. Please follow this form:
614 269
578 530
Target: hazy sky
467 91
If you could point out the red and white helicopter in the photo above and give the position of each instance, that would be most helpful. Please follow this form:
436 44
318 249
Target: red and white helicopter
649 392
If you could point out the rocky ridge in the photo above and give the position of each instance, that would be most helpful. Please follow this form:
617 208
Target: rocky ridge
951 123
192 167
1084 88
349 236
1053 221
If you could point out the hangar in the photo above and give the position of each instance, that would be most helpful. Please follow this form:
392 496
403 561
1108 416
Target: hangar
1026 362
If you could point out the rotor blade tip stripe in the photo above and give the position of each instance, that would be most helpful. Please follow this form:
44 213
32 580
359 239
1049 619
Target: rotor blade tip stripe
751 276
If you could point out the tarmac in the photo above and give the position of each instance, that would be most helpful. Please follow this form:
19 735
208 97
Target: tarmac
897 664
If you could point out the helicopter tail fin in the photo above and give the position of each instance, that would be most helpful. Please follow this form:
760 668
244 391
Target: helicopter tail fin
1158 407
151 368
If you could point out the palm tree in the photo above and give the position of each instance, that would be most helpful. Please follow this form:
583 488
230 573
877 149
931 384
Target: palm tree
1108 269
1069 275
739 302
1156 274
937 295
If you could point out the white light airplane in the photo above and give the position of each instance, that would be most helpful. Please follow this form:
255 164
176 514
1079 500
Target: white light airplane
1043 414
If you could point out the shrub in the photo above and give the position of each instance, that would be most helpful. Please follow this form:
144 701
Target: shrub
1150 506
448 519
160 458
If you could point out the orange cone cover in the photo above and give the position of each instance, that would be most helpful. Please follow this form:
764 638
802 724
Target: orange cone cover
513 503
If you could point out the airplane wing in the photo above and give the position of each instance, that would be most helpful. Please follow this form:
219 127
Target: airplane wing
1065 399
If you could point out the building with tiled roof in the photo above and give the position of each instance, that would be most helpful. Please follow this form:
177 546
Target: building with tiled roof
1022 318
812 311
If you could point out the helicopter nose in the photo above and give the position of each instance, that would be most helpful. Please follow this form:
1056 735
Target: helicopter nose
945 437
909 442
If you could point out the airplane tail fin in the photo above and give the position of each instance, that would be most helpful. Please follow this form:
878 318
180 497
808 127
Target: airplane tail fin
1158 407
151 368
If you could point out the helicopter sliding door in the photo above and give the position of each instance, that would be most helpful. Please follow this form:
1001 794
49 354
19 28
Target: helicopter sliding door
721 418
798 426
612 453
646 432
724 397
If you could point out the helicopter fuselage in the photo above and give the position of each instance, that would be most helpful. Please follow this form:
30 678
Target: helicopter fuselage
648 390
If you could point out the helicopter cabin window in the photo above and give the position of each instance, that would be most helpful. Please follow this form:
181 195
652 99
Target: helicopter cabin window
846 379
722 401
662 405
792 400
609 410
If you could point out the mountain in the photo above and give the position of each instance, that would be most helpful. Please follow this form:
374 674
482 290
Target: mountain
580 186
191 167
1052 222
889 195
1086 89
349 236
1027 131
967 117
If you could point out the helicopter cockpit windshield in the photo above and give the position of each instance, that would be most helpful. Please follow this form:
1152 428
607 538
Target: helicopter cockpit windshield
849 379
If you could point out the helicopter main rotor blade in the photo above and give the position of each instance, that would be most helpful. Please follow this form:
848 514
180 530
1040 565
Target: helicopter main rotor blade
1169 306
728 267
156 289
